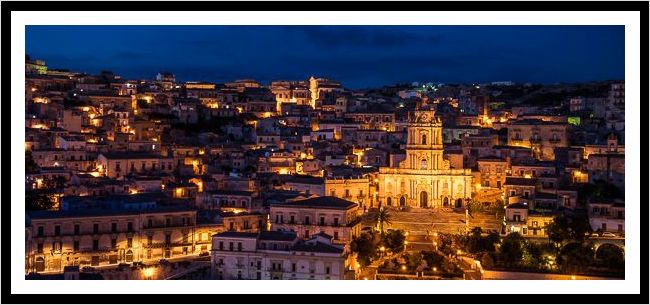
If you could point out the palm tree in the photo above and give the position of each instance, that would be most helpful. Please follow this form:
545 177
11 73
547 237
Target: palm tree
382 217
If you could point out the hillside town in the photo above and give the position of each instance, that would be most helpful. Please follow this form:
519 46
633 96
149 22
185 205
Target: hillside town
161 178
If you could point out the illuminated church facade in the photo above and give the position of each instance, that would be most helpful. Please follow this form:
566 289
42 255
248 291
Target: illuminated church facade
423 179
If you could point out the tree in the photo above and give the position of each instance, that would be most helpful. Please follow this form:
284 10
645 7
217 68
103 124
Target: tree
580 229
558 230
575 257
574 228
610 256
533 255
511 251
413 261
394 240
476 242
365 246
433 259
445 243
383 217
37 200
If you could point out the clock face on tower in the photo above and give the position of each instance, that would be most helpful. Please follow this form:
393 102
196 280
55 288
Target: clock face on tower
424 118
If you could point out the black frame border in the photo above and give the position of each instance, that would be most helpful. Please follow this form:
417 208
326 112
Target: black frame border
370 298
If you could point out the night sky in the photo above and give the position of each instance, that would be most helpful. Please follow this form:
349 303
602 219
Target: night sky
358 56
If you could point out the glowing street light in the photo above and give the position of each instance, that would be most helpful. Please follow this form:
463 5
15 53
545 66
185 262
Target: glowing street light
403 267
148 273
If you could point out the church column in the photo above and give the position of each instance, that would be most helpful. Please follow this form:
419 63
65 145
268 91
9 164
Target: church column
433 193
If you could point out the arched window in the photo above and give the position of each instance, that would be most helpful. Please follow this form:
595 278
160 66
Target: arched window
423 164
424 139
389 201
40 264
129 256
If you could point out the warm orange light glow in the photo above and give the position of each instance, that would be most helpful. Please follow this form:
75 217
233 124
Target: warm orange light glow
148 272
527 176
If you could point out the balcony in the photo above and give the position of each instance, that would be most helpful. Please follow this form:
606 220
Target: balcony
535 140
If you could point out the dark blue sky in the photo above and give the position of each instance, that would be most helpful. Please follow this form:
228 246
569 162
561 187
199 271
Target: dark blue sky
359 56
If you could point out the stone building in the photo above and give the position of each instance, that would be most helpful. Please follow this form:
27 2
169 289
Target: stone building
424 179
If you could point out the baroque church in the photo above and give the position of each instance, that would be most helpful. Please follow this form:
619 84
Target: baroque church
423 179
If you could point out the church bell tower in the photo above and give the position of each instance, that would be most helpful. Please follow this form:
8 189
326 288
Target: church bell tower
424 140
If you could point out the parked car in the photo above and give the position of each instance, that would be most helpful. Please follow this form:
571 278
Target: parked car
609 234
594 234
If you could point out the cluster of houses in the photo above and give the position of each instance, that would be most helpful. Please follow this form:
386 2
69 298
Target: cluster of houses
271 181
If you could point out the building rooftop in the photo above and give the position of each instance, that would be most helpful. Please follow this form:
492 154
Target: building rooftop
317 247
277 235
521 181
518 205
231 192
130 155
324 202
305 179
236 234
541 195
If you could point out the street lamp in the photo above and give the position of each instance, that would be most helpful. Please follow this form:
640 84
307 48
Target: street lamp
148 273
